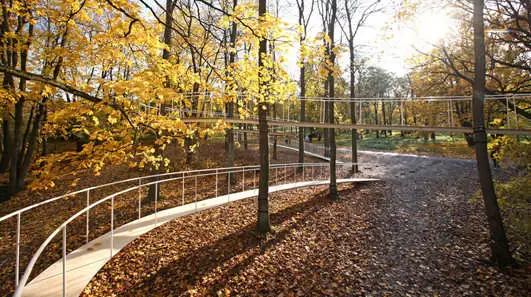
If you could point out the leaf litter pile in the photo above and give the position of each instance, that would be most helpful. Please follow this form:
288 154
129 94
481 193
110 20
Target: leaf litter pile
416 233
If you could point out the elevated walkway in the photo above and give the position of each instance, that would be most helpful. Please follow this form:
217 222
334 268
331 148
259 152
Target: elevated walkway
83 263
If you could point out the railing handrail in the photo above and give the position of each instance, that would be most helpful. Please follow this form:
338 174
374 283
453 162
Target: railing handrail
45 243
29 207
417 98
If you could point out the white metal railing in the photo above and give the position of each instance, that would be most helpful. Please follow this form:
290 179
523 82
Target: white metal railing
279 173
87 193
443 110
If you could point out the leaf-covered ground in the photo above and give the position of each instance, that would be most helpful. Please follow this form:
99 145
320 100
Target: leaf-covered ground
37 224
416 233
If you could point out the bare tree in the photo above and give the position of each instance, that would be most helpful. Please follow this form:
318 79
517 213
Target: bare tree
356 16
304 20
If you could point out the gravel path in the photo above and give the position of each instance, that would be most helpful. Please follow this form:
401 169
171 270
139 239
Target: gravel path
416 233
432 236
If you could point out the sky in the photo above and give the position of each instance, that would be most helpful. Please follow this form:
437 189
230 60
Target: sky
385 42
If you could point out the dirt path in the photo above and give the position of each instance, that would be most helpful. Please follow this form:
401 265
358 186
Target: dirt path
432 237
416 233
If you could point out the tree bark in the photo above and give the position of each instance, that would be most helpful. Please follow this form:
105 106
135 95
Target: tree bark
4 161
303 113
499 245
354 132
331 134
230 105
263 225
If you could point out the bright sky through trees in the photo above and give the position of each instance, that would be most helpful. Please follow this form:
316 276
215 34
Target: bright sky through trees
387 42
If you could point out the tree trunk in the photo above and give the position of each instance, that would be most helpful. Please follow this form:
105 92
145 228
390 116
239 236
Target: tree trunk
303 114
263 225
230 105
14 153
499 245
4 161
354 132
245 144
384 118
376 118
326 120
331 134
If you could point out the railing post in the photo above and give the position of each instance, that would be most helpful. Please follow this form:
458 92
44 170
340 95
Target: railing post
254 178
182 195
195 196
64 261
507 110
88 215
361 120
112 225
243 179
276 175
139 199
156 202
228 182
449 116
515 114
303 172
216 183
18 251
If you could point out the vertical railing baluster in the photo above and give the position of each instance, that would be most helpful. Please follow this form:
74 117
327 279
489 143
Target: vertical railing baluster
276 175
112 225
216 183
64 261
88 217
243 179
139 199
254 178
182 196
515 114
156 202
195 189
17 264
508 111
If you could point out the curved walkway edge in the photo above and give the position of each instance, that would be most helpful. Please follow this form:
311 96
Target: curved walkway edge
83 263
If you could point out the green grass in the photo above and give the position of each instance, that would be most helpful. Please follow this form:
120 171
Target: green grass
444 144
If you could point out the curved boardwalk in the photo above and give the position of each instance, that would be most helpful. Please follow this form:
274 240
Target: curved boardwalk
83 263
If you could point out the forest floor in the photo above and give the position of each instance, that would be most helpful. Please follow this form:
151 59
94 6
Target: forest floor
415 233
34 229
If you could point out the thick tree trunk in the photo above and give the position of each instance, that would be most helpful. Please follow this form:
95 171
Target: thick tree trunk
331 134
4 158
14 149
263 225
499 245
